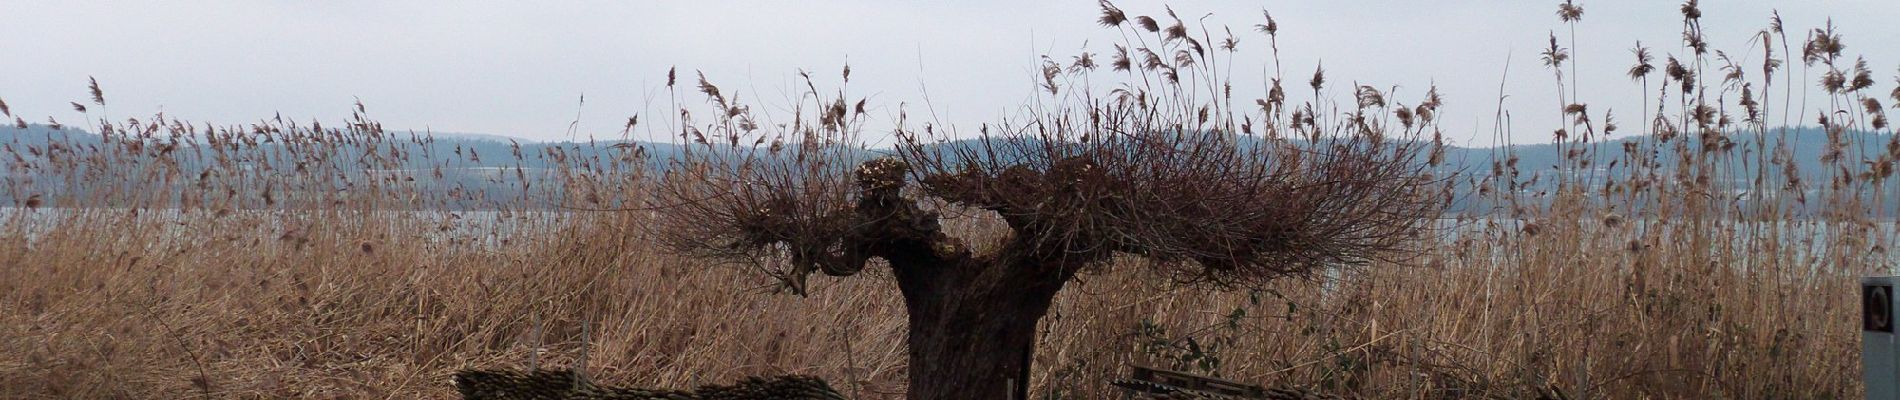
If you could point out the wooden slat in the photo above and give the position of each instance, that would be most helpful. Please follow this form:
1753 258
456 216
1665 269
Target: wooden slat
1194 382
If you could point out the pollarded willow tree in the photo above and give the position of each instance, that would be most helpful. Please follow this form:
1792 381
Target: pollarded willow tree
1163 172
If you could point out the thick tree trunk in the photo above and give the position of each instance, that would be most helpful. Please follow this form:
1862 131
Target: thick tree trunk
972 318
973 328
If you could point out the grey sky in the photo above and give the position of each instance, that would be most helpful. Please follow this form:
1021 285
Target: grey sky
517 68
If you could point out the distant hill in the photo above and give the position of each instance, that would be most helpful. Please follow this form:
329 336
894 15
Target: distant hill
1806 145
465 158
470 150
476 136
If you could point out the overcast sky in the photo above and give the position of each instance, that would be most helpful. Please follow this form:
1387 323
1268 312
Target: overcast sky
519 68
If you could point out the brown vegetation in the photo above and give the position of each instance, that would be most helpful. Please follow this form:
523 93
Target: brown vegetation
315 276
1154 174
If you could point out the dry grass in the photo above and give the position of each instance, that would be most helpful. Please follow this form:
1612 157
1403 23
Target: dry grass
259 280
104 307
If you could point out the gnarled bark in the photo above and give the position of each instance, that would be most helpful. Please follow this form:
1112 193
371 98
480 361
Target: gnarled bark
972 318
973 325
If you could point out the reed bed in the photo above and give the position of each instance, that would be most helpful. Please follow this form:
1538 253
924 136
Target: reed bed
280 259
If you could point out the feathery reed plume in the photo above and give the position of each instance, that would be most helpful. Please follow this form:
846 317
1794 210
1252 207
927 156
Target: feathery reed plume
1569 11
1643 67
1553 55
1270 28
1863 77
1319 78
1111 15
98 96
1121 61
1824 45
